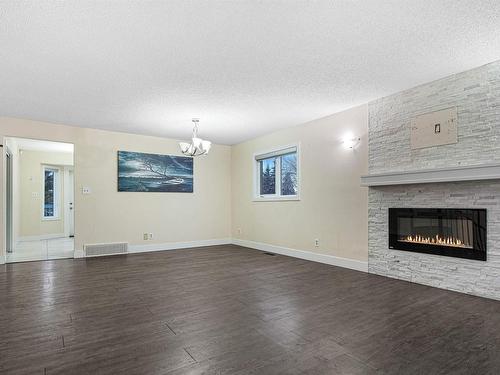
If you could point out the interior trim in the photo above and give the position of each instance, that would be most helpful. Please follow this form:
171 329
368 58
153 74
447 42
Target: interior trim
132 249
468 173
177 245
353 264
301 254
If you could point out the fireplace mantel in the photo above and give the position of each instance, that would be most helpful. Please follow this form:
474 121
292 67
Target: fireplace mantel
426 176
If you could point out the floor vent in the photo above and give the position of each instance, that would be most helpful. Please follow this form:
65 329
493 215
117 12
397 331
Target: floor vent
100 249
270 254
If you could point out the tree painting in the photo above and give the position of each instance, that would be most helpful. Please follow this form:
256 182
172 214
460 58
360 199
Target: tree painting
140 172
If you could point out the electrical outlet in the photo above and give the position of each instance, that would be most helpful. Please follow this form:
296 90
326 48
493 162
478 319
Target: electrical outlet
150 237
239 230
316 242
145 236
86 190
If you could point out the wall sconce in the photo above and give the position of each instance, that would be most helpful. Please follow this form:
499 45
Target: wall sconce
350 142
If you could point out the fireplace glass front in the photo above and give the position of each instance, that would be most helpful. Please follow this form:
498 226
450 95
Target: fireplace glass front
451 232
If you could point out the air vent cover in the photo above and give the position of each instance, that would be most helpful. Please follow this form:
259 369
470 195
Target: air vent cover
100 249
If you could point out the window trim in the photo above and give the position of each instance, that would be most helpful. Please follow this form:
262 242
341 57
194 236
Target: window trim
57 193
276 151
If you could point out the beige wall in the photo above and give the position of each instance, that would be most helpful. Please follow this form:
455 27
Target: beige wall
31 192
332 208
106 215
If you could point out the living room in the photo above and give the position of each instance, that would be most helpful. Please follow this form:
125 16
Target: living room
250 187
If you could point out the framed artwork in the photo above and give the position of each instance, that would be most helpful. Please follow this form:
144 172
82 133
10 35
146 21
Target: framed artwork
140 172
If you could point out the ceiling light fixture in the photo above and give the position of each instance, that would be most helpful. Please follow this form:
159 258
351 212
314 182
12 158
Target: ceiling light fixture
198 146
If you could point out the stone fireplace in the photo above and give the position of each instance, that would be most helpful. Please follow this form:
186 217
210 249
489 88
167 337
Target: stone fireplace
453 240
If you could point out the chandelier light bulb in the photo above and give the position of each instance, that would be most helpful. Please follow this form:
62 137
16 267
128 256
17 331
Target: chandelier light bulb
206 145
184 146
196 142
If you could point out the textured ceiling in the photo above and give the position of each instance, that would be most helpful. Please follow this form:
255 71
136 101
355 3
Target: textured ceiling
245 68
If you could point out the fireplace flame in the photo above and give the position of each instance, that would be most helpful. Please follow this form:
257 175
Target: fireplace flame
437 240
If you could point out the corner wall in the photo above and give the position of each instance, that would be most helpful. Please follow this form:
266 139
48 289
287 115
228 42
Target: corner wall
106 215
332 206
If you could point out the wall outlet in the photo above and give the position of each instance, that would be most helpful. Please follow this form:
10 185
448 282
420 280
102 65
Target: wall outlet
145 236
86 190
239 231
150 236
316 242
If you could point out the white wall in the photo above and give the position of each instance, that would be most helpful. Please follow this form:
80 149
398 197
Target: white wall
107 215
332 208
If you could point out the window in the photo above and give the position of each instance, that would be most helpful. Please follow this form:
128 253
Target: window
277 174
267 176
51 193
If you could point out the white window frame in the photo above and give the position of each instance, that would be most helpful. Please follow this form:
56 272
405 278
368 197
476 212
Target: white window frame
57 192
278 151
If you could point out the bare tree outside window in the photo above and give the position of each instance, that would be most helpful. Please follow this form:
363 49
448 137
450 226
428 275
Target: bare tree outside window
289 174
268 176
277 174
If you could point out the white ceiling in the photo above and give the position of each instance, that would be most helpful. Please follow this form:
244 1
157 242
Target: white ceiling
244 67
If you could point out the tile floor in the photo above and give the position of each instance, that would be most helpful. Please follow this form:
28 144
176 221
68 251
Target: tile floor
55 248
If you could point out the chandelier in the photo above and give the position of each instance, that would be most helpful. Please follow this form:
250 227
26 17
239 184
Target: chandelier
197 146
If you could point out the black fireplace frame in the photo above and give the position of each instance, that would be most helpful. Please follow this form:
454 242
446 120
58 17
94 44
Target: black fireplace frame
479 242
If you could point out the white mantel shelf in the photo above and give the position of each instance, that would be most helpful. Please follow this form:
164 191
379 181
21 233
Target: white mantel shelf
426 176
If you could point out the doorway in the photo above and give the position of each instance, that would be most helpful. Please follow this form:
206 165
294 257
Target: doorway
39 200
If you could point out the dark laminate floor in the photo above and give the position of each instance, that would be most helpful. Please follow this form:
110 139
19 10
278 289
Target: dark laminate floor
231 310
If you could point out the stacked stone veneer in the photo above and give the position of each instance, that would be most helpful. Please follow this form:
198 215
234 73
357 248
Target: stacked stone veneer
476 94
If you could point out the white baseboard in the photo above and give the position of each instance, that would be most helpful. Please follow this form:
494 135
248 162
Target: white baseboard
307 255
301 254
2 259
132 249
40 237
157 247
177 245
79 254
